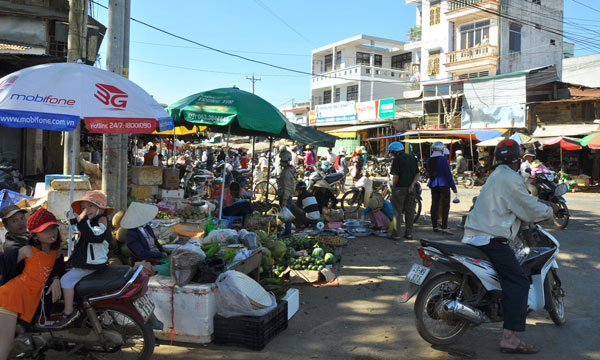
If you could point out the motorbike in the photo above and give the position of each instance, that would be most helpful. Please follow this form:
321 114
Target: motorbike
457 286
382 166
466 179
549 190
334 180
355 196
116 315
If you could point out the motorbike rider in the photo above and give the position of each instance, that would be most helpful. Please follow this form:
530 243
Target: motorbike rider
494 221
461 163
525 171
310 159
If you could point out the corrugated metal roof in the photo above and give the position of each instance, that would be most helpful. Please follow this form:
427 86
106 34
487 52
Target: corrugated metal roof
12 47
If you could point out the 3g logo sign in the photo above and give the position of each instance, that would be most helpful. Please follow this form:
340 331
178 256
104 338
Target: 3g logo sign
110 95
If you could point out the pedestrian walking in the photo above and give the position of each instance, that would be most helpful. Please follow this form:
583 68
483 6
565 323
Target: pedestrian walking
440 183
286 181
405 173
341 166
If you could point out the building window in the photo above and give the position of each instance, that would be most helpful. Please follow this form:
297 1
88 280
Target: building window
474 34
402 61
435 10
327 97
378 60
433 66
552 42
539 2
514 37
363 58
352 93
337 95
338 59
328 62
368 70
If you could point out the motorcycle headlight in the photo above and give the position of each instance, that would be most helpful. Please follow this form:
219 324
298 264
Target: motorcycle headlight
561 189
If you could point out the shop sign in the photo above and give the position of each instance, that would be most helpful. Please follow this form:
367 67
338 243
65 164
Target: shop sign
344 111
366 111
387 108
312 117
301 120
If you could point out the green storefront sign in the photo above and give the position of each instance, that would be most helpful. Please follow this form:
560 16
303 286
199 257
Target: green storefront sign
387 108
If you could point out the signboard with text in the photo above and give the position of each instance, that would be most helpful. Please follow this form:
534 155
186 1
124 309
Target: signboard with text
387 108
366 111
301 120
344 111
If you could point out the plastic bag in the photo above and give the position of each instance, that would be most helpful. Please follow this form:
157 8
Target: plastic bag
221 236
286 215
248 239
185 260
456 200
232 301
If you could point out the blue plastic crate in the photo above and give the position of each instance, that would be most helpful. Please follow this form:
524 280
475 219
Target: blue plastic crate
51 177
9 197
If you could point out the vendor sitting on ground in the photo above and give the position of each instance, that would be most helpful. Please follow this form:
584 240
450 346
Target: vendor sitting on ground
306 209
235 202
380 211
141 240
324 195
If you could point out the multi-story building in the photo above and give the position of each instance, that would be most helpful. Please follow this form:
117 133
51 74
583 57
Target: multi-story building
462 39
361 68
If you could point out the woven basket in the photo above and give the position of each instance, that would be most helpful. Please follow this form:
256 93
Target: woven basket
333 240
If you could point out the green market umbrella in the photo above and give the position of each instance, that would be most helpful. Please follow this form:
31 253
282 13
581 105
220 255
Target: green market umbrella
592 141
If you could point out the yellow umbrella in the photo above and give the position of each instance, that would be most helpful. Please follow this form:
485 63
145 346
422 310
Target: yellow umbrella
181 130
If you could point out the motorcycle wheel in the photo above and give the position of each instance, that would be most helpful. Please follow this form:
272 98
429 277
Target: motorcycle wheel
468 182
562 220
265 192
139 338
433 324
418 208
554 297
351 200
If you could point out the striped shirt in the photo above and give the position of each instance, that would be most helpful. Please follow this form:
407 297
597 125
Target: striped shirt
309 204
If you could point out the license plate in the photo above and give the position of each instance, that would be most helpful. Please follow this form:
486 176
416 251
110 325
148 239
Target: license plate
144 306
418 274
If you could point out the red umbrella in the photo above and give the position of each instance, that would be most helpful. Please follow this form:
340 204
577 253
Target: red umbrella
592 141
566 143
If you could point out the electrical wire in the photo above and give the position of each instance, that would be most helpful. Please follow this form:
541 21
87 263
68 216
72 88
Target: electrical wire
587 6
284 22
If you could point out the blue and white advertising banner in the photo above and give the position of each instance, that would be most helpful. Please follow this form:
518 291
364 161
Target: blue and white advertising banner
45 121
300 120
508 116
340 112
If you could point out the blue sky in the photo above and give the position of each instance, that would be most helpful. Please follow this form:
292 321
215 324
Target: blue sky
281 32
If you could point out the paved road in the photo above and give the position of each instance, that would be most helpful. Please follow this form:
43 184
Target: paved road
361 319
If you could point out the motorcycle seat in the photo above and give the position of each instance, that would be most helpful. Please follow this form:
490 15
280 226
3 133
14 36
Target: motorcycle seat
103 281
456 247
331 178
378 183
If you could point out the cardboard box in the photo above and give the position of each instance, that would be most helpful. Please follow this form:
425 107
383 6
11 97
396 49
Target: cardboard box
170 179
141 192
59 202
311 276
146 175
65 184
50 177
177 194
293 299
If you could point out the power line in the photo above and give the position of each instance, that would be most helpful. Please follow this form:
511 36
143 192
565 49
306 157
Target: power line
283 21
238 51
587 6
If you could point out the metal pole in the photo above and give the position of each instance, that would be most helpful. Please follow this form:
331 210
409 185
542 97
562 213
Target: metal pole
174 157
269 165
112 143
223 172
252 160
472 158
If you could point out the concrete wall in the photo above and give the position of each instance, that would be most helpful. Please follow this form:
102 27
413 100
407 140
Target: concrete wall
433 38
583 70
536 47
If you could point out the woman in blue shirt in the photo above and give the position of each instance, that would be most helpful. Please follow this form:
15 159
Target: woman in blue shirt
440 183
380 211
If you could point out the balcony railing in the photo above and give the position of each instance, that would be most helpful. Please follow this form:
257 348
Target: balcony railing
471 54
459 4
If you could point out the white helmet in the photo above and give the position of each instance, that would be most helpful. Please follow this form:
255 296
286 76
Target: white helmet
364 149
458 152
437 146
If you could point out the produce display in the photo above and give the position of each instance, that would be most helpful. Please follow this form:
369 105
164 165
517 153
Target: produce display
163 216
190 212
260 206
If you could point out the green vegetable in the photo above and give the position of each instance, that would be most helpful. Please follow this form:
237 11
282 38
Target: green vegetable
330 258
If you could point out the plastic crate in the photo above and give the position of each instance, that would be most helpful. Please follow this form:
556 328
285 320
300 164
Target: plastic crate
9 197
253 332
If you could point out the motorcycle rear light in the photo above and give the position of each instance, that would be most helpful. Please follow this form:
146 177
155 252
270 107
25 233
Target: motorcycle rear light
425 256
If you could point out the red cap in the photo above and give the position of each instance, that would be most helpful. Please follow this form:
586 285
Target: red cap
40 220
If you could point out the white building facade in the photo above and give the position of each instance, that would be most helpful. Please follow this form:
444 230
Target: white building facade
463 39
358 69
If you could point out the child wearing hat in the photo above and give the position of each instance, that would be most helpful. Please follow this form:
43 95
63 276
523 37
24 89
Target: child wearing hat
20 297
90 252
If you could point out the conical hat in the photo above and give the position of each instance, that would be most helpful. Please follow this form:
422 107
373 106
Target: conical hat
138 214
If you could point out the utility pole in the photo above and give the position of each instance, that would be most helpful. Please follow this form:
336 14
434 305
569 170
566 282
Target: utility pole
125 137
253 79
112 158
76 49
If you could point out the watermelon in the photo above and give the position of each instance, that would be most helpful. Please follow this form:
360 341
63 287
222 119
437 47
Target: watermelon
329 258
318 252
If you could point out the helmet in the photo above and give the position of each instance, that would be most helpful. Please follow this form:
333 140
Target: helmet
396 146
363 149
300 185
342 151
529 152
358 150
446 151
307 147
458 152
437 146
507 151
285 156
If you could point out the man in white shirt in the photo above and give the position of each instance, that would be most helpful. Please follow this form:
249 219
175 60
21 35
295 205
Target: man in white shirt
294 152
495 220
330 156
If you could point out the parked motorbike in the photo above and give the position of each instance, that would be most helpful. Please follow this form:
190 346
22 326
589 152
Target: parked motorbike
458 287
116 310
334 180
382 166
549 190
355 196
